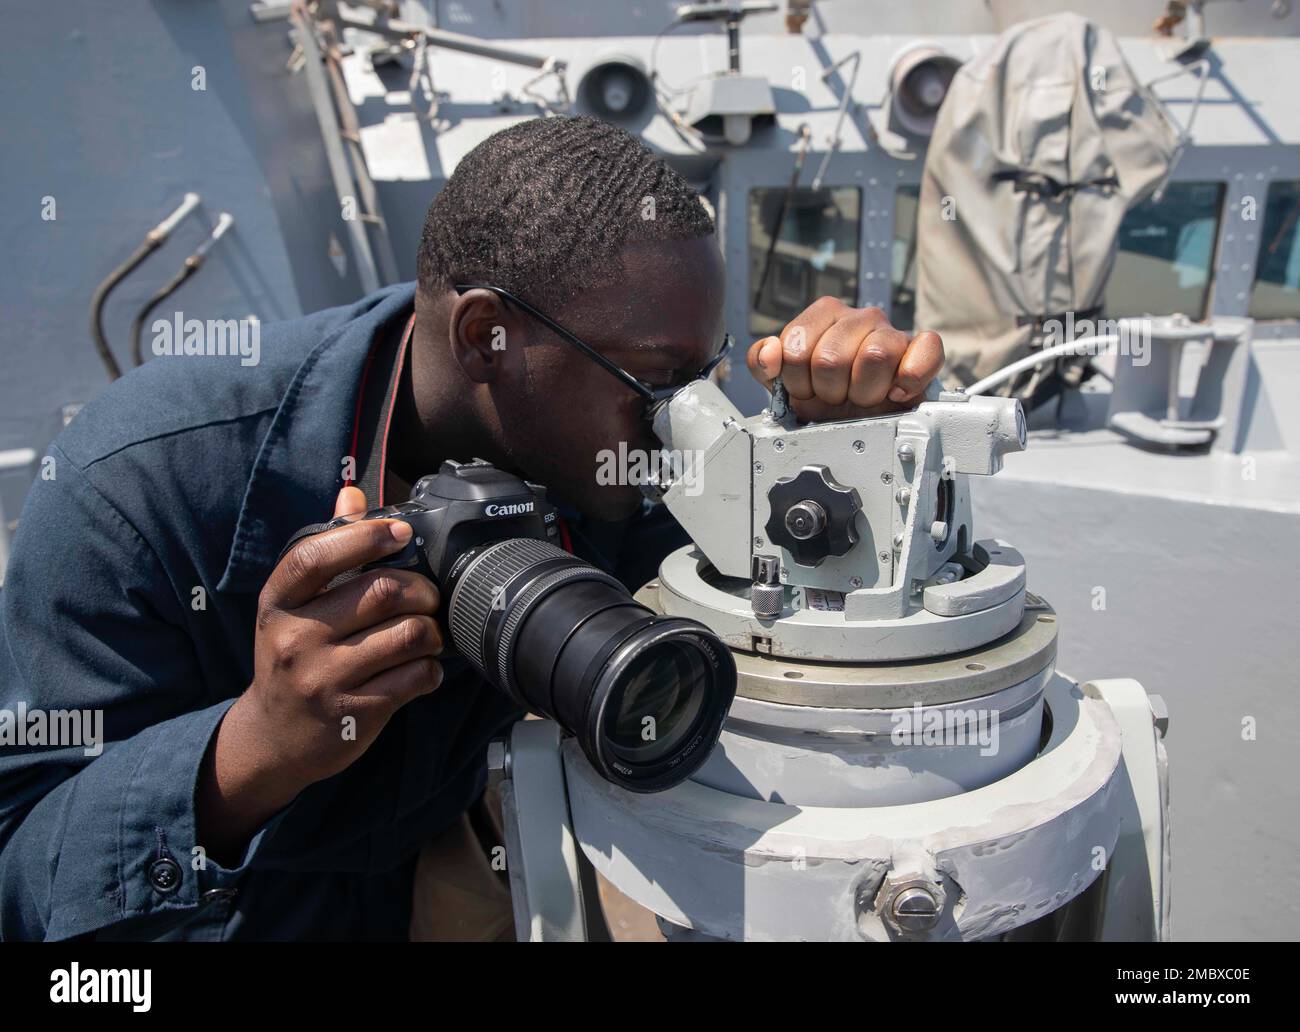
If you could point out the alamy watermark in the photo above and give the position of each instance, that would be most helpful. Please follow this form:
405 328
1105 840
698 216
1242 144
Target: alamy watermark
75 984
655 469
1128 337
241 338
930 725
24 727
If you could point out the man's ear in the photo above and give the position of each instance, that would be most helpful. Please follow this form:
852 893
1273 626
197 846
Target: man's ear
477 328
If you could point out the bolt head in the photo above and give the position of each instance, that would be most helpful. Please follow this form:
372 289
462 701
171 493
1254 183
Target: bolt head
904 496
778 445
859 446
915 910
910 903
758 467
906 452
886 477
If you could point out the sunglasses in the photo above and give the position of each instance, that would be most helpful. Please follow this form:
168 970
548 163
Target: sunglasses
650 394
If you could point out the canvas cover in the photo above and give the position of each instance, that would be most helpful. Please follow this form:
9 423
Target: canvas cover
1042 143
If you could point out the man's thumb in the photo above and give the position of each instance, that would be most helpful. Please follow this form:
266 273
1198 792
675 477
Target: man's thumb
351 500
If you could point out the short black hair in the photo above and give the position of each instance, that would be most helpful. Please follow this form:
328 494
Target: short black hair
539 207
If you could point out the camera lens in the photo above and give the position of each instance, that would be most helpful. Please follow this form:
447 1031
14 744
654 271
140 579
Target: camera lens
645 695
661 691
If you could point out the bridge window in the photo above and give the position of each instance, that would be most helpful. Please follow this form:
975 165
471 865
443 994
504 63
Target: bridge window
1166 253
1276 294
816 252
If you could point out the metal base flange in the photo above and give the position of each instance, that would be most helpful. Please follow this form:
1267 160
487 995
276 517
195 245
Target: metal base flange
736 868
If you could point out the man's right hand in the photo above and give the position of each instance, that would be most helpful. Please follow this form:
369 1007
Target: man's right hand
331 667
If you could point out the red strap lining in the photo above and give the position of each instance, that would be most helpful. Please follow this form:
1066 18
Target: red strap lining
356 416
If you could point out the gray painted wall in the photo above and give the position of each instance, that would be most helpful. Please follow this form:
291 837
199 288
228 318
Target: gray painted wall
100 115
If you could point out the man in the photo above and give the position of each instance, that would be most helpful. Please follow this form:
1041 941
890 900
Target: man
231 801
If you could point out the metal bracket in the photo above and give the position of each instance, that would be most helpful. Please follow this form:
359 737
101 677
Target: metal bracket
541 853
1137 887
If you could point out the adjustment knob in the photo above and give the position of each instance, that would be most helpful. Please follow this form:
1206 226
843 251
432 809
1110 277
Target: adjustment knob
812 515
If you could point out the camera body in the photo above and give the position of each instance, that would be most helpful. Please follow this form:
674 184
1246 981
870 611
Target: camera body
463 506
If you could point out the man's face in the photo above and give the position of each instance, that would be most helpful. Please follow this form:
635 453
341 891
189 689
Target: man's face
563 417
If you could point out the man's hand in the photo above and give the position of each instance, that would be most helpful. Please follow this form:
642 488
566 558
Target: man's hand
839 362
331 667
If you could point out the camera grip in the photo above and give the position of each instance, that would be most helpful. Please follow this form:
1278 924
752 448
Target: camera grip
410 557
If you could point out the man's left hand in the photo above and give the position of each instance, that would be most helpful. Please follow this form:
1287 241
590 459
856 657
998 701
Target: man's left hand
839 362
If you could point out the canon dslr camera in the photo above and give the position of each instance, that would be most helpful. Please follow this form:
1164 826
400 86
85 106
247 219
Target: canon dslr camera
644 694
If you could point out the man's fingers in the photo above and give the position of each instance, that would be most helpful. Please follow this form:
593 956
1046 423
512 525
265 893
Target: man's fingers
315 561
921 363
875 364
400 684
389 644
800 337
351 500
370 599
764 360
788 355
836 356
832 356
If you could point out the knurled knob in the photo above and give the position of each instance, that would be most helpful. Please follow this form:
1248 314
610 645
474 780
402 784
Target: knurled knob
768 600
812 516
